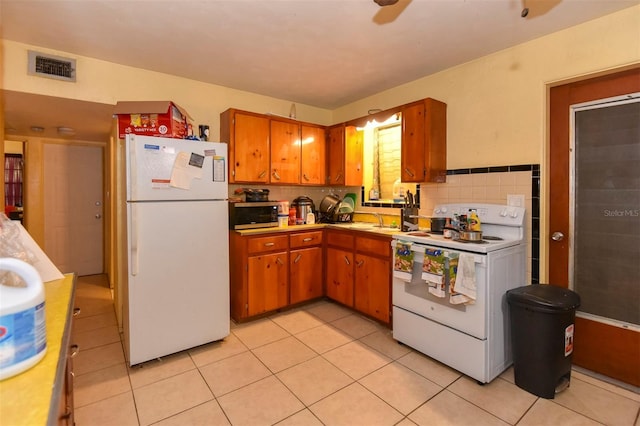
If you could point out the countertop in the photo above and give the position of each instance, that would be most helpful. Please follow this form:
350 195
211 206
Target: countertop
32 397
354 226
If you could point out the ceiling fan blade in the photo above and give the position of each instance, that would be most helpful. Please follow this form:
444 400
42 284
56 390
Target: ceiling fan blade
390 13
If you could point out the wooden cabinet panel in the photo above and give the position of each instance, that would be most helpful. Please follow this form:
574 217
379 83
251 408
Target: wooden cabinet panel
424 141
412 147
305 239
268 243
346 145
372 286
248 138
305 274
377 246
354 149
267 282
340 239
314 161
339 270
337 155
285 152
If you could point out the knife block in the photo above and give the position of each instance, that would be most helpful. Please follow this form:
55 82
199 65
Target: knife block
409 219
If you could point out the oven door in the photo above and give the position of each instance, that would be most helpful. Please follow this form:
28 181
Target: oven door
412 294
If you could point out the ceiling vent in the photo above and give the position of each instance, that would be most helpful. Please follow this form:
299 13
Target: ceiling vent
50 66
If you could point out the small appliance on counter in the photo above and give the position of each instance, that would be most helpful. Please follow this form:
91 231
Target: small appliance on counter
304 206
335 210
256 214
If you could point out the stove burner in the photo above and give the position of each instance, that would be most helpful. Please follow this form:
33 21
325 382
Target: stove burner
491 238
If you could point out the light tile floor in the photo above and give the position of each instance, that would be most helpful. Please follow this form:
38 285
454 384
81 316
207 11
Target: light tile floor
321 364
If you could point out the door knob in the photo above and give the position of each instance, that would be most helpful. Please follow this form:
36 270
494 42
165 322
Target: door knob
98 216
557 236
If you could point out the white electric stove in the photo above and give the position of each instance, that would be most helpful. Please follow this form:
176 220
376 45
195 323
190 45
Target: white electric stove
473 338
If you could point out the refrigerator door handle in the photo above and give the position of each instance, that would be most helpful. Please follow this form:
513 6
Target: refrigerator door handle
134 239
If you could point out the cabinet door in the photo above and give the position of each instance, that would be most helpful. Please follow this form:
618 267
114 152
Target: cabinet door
339 270
314 161
285 152
267 282
251 148
372 286
336 155
305 279
354 148
413 143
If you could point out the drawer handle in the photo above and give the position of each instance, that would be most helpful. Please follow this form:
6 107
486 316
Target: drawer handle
76 312
407 171
269 244
297 259
346 260
278 261
261 175
276 175
74 351
359 264
306 240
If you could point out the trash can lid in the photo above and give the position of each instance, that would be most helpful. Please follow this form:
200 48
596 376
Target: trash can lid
544 296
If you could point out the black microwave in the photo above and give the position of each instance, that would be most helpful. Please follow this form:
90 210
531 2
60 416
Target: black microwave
257 214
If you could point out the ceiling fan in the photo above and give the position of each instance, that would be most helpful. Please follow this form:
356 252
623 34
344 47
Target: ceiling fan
389 10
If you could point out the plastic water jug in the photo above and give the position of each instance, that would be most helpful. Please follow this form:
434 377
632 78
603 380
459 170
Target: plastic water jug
23 340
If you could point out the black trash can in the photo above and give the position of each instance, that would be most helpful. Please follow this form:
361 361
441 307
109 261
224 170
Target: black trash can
542 320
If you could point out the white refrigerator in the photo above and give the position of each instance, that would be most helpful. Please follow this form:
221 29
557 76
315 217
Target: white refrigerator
177 292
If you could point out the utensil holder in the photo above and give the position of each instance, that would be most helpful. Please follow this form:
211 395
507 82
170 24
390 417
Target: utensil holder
409 219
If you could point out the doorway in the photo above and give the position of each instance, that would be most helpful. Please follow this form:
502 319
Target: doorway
594 162
73 206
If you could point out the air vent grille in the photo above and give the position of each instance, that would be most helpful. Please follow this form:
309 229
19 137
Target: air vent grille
52 66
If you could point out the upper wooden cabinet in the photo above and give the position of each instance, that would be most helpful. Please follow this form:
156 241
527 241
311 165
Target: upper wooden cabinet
424 141
314 155
346 145
285 152
248 137
264 149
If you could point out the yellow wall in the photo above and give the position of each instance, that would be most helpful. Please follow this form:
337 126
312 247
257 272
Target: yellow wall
106 82
496 105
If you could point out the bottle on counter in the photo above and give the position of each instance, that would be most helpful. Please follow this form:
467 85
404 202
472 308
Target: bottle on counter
474 221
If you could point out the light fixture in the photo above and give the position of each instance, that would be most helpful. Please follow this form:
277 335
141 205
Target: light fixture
66 131
385 2
37 129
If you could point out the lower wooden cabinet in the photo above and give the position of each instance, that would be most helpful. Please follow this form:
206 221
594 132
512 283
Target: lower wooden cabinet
272 271
340 275
358 268
372 286
267 282
305 274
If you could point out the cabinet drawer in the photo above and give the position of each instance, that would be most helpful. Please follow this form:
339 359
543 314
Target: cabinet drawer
376 246
340 239
306 239
266 244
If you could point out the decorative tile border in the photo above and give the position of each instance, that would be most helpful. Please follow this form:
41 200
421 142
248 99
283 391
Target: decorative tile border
535 206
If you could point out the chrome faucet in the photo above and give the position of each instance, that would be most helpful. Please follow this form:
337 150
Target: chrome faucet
380 221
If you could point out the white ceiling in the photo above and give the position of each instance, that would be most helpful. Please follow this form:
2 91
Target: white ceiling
324 53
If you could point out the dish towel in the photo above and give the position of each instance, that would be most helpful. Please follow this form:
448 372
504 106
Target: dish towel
403 261
433 271
462 281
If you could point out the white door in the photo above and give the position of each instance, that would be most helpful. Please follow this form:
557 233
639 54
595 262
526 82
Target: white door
73 207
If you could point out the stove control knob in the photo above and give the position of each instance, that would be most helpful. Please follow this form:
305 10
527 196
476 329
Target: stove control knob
514 214
439 210
503 213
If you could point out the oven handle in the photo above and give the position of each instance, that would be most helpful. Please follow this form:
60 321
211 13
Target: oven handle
420 248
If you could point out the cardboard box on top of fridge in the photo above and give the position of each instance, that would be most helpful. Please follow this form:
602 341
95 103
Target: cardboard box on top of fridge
152 118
